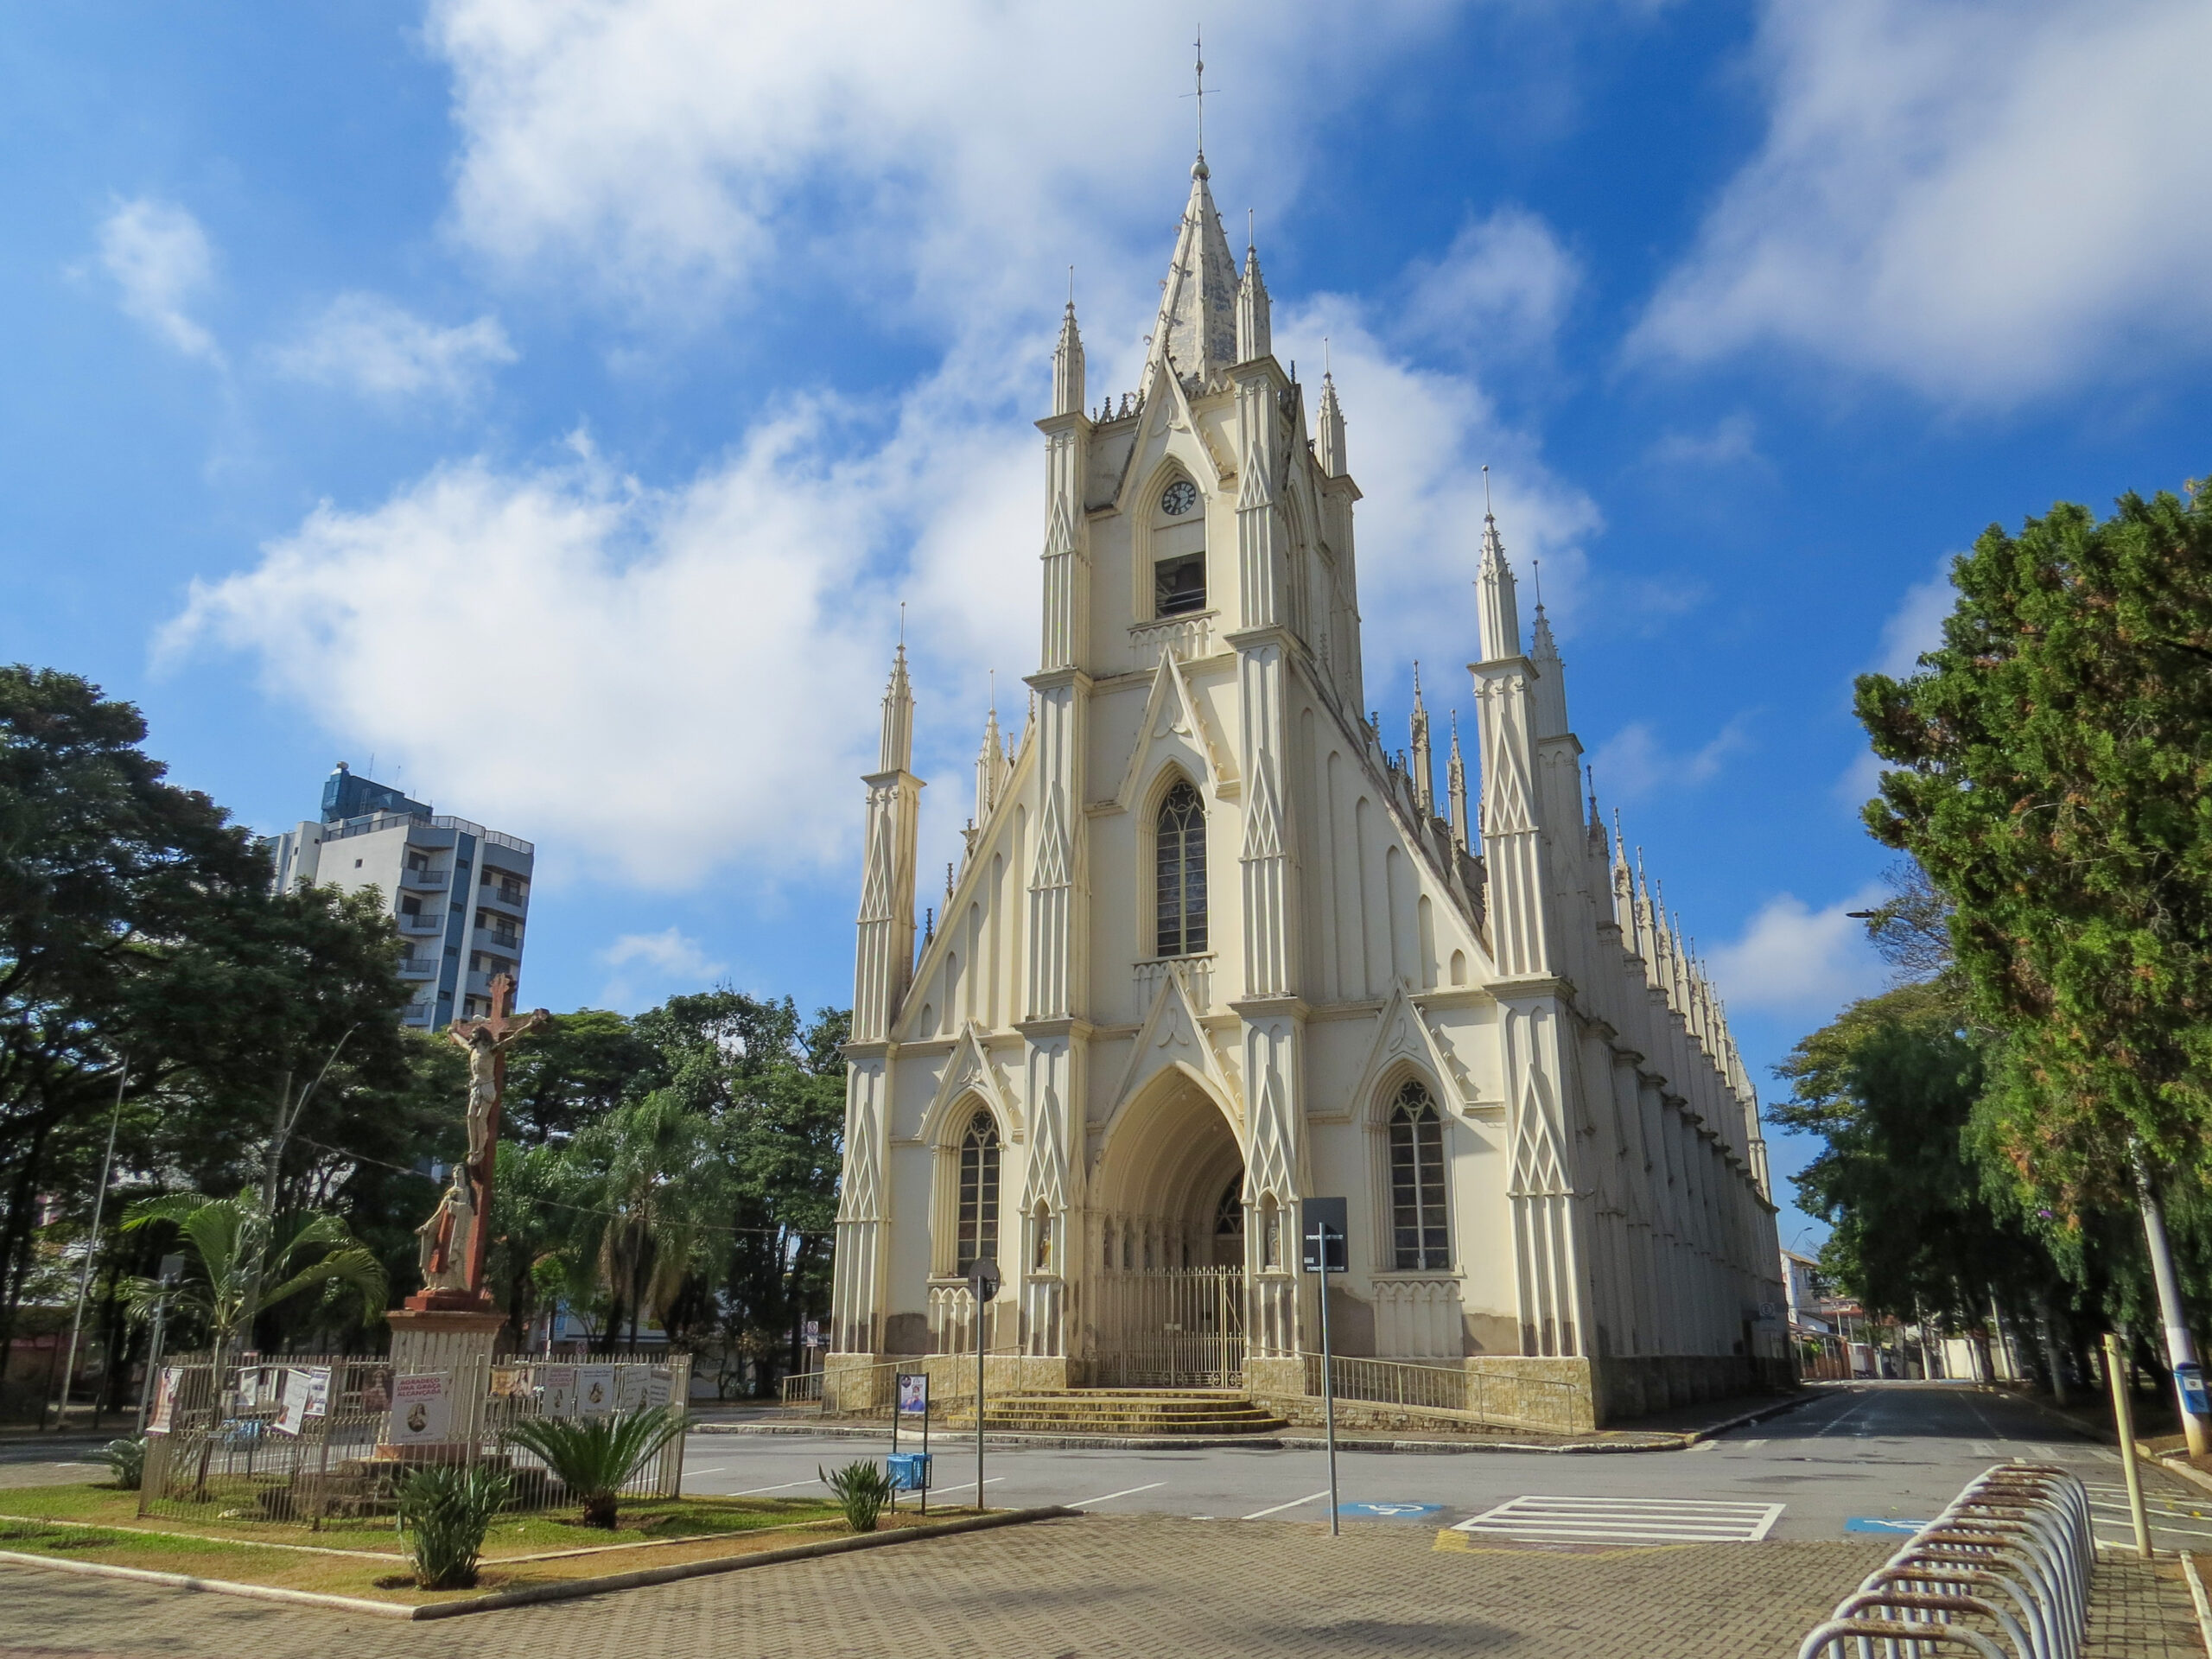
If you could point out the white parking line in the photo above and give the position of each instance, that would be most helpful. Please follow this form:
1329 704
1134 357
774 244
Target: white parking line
1316 1498
754 1491
992 1481
1625 1521
1130 1491
1705 1445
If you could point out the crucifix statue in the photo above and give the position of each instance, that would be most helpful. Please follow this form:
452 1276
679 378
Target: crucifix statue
454 1237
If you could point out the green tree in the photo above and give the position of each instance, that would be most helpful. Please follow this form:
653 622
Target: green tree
241 1262
573 1069
1892 1086
137 931
775 1086
2054 777
2053 757
660 1186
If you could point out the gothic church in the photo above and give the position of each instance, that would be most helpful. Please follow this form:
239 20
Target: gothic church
1213 949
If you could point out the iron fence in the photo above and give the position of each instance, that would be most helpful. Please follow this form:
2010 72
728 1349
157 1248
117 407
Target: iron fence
1489 1397
307 1438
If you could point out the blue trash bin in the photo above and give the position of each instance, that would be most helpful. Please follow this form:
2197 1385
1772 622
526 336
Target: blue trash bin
2191 1378
909 1470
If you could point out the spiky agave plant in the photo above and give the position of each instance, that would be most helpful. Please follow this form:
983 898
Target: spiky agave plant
595 1457
863 1488
447 1508
126 1461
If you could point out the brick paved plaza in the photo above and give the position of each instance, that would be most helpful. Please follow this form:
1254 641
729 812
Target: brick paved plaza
1099 1587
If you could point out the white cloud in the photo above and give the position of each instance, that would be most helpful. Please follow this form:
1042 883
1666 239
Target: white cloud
1418 439
160 258
662 682
1732 439
1501 288
1634 763
1916 626
367 343
645 963
1986 201
664 150
1793 959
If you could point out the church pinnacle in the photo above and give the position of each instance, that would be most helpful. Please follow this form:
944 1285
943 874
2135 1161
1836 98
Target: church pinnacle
1500 609
1067 360
898 746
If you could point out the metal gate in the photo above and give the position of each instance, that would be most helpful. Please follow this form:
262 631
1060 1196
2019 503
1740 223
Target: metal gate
1173 1328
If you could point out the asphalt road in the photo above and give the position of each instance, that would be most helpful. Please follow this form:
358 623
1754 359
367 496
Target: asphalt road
1879 1451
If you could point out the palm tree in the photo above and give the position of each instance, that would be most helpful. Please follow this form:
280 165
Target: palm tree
595 1457
661 1181
240 1273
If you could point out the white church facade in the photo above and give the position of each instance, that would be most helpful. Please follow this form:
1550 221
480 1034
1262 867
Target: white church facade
1212 949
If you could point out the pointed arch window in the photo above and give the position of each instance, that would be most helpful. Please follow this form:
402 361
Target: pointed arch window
1229 1214
1181 862
1419 1240
979 1192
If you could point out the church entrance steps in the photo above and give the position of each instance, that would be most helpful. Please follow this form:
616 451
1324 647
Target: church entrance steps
1144 1413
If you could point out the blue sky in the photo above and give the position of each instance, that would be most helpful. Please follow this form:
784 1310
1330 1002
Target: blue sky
557 403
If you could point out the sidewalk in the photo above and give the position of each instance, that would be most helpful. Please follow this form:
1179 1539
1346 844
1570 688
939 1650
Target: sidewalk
1087 1588
1667 1431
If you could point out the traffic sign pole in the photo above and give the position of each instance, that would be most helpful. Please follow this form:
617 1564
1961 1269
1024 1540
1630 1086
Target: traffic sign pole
983 1287
1322 1226
1328 1383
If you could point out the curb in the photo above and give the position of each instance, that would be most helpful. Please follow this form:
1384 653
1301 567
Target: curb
1667 1441
2188 1473
570 1590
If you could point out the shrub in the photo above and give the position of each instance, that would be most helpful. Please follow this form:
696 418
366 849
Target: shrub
447 1508
863 1488
126 1461
595 1457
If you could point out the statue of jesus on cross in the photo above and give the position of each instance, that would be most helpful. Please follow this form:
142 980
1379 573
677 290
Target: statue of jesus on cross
454 1264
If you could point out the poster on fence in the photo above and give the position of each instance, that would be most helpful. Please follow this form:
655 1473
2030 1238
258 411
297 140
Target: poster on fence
511 1381
422 1409
594 1390
164 1400
306 1393
629 1388
658 1379
559 1386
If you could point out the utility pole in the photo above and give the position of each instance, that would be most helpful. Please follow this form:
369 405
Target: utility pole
2181 1348
91 1253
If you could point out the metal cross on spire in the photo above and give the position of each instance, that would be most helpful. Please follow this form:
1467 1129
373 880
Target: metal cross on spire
1198 76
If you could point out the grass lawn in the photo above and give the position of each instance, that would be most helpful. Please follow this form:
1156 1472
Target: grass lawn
349 1558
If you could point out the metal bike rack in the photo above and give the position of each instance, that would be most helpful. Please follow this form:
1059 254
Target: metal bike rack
2002 1573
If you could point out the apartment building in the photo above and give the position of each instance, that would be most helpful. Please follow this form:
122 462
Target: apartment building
460 892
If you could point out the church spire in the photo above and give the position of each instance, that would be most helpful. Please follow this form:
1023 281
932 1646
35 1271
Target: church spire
1548 694
1424 769
1196 334
1330 447
1254 331
1501 608
1455 783
898 747
990 769
1067 360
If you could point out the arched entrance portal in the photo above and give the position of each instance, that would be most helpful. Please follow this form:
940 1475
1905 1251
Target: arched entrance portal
1168 1262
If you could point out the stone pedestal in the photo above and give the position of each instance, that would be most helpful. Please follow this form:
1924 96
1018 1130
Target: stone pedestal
455 1341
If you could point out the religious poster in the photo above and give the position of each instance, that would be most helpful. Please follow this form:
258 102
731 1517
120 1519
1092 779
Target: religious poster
164 1400
422 1409
557 1384
658 1379
306 1393
594 1390
913 1394
511 1381
629 1388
